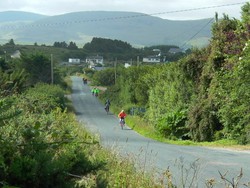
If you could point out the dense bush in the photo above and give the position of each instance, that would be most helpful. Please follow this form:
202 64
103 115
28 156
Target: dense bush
232 97
104 78
43 145
38 66
12 82
43 98
173 125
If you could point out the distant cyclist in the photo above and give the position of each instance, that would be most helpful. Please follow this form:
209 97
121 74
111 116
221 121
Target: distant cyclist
93 91
85 81
122 116
96 92
107 104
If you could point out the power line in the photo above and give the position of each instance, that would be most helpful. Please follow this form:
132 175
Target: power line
197 33
199 8
118 18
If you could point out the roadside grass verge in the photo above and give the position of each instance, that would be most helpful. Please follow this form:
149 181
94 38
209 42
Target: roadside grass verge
120 171
68 91
147 130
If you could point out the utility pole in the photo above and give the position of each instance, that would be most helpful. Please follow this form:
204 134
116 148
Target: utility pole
115 68
52 69
5 58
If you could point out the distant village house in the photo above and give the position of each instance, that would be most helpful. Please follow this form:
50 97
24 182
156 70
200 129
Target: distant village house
74 61
93 60
16 54
174 50
151 59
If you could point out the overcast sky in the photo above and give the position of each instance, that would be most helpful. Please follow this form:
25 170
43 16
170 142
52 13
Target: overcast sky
167 9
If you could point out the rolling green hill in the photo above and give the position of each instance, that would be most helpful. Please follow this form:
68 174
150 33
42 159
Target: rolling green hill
13 16
135 28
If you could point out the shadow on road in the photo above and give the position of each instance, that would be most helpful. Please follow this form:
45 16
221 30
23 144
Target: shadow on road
78 113
110 113
127 129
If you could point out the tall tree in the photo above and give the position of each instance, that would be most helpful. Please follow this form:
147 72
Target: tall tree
72 46
11 42
38 66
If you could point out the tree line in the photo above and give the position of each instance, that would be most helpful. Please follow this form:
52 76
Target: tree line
109 49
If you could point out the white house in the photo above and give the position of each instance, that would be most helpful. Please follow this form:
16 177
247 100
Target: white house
151 59
127 65
94 59
16 54
74 61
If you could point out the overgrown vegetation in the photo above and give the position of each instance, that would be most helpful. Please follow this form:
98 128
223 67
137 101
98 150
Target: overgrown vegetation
42 144
202 97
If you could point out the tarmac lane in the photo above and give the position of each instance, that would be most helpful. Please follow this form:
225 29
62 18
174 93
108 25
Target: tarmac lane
184 162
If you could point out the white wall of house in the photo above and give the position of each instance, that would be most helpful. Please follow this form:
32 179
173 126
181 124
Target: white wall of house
94 60
74 61
151 59
127 65
16 54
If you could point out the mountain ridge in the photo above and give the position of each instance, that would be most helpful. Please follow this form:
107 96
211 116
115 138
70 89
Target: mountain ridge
135 28
7 16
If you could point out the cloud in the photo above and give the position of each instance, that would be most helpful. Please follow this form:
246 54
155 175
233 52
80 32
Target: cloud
178 9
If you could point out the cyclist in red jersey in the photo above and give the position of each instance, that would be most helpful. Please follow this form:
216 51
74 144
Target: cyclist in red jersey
122 115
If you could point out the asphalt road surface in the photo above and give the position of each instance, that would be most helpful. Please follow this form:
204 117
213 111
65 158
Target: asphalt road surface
151 154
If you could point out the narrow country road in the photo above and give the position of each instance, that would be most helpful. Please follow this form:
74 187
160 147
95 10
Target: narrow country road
153 154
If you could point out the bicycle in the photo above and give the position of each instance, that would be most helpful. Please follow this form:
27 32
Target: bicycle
107 108
122 122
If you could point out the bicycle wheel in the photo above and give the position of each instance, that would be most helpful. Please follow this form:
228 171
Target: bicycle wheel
122 123
107 109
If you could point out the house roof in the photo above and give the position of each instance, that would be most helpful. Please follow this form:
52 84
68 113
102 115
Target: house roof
174 50
153 56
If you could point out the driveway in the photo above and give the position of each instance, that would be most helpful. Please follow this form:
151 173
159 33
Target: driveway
150 154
